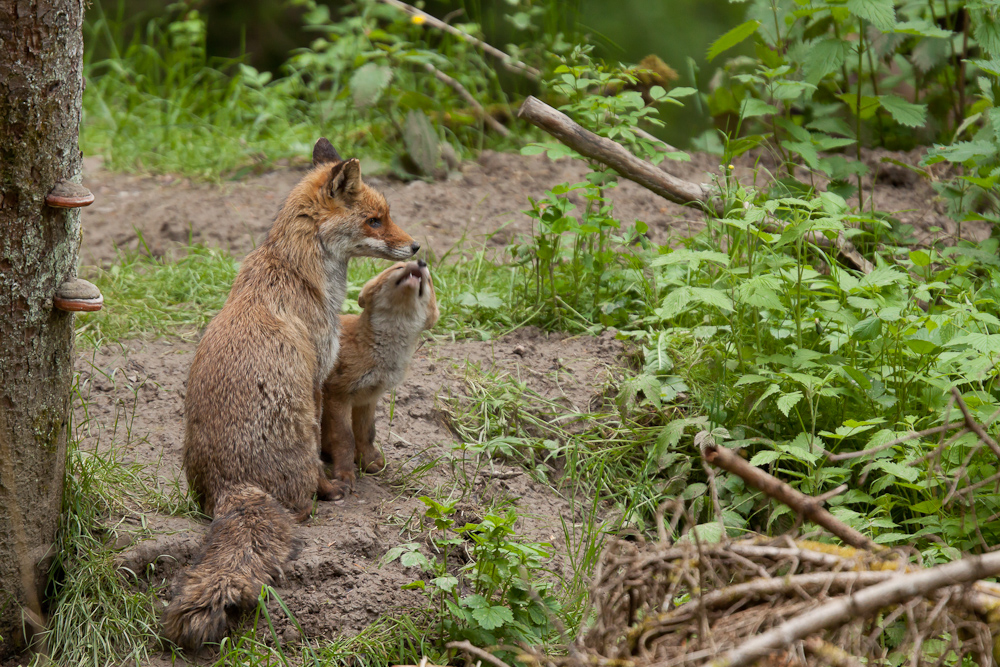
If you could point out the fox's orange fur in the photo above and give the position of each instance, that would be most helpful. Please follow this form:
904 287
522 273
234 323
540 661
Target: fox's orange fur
253 399
376 348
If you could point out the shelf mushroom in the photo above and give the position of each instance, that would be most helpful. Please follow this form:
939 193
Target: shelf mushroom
67 194
78 296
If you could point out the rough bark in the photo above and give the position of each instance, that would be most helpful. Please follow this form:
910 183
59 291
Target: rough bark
41 84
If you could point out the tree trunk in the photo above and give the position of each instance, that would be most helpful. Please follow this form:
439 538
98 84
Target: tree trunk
41 86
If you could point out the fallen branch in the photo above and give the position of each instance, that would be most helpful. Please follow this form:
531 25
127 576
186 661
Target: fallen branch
612 154
972 425
775 488
494 124
657 180
478 652
508 61
862 605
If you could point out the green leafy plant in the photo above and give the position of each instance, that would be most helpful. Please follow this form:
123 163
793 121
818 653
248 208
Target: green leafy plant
494 598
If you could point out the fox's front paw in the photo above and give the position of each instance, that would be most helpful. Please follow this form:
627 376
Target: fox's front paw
340 489
372 462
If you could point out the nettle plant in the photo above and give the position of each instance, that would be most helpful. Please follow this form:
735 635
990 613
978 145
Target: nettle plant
829 76
496 597
800 359
585 267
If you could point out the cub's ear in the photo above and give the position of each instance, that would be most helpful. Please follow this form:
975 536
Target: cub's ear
324 152
363 297
345 179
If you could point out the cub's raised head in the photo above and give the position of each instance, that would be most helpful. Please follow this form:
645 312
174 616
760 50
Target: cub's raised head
403 292
352 217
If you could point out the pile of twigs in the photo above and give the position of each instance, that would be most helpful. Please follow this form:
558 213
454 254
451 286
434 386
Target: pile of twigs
781 601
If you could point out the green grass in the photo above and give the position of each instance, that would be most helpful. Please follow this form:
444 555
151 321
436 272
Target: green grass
146 296
99 614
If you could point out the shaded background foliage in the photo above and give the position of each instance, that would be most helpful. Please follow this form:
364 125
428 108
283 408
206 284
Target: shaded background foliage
263 34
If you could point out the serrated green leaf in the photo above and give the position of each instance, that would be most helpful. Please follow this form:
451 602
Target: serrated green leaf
986 29
903 112
824 56
867 329
491 618
732 38
765 457
368 83
788 401
447 583
880 13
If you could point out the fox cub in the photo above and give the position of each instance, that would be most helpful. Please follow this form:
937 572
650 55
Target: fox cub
375 351
254 398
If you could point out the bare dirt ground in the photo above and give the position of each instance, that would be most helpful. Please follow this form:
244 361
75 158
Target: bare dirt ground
135 390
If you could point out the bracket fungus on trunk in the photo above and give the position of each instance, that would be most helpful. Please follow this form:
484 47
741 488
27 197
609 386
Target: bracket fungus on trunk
78 296
67 194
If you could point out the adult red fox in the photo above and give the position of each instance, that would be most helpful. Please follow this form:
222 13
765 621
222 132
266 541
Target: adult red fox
375 351
253 399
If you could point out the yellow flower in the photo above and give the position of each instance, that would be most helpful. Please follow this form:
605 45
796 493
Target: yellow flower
418 19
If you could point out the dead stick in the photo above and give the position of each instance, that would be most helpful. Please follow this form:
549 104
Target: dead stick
972 424
611 153
478 652
507 60
775 488
494 124
861 605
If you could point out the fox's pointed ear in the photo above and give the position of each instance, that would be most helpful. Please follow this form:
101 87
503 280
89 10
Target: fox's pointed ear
345 179
324 152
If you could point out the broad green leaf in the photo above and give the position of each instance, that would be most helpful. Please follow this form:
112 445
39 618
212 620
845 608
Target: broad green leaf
691 257
707 533
920 258
732 38
760 291
788 401
447 583
764 457
898 470
867 329
753 107
986 28
368 83
880 13
824 56
681 91
903 112
921 27
490 618
980 342
869 105
928 506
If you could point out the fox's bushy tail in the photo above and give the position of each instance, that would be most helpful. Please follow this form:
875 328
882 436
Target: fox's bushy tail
248 544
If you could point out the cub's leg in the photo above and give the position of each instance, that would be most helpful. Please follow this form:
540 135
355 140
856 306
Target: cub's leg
325 489
338 446
366 454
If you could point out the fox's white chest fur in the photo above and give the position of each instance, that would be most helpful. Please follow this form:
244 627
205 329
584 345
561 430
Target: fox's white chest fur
335 274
